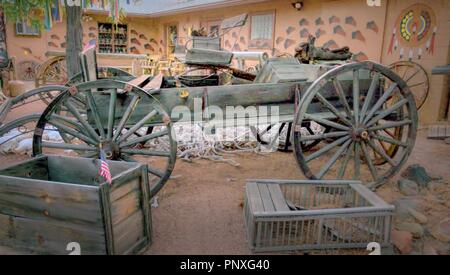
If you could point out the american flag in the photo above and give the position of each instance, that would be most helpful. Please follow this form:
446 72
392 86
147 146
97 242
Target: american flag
104 168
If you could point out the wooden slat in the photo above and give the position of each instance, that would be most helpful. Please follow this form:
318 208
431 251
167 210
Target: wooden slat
124 190
139 80
128 232
277 197
33 169
155 83
124 207
254 197
49 237
265 197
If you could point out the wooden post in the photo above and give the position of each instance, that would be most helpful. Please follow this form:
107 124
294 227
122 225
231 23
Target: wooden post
74 39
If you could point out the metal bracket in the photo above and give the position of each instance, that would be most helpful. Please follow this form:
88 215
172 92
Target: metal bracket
73 90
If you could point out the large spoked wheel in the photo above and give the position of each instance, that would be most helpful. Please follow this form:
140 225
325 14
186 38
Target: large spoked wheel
352 101
114 117
416 77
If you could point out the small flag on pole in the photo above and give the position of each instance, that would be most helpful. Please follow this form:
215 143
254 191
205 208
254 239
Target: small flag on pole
104 168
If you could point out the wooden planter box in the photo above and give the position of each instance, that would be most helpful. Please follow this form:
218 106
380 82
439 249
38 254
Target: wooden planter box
51 201
312 215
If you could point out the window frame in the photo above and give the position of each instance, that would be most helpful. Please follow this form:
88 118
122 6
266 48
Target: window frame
23 23
270 42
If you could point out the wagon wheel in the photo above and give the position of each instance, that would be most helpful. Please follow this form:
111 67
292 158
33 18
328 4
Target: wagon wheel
52 72
286 143
416 77
116 120
22 126
27 70
356 121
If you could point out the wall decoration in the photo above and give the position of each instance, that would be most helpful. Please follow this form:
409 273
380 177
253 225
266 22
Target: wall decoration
52 44
357 35
419 53
92 29
234 35
430 44
303 22
393 41
149 47
415 25
92 35
360 57
227 44
319 21
160 50
330 44
27 51
288 43
339 30
320 32
134 32
134 50
242 40
402 51
63 45
143 37
349 20
279 40
135 41
334 19
54 36
153 40
289 30
236 48
371 25
304 33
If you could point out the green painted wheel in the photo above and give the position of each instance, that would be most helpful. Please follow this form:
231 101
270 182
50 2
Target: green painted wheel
358 111
116 118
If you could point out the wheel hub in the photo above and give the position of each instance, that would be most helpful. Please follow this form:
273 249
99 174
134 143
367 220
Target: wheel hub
111 149
359 134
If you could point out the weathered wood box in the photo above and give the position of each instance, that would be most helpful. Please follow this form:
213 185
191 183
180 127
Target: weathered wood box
51 201
314 215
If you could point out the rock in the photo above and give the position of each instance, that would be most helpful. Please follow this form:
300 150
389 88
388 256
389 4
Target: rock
421 218
428 249
402 240
414 228
442 231
408 187
417 174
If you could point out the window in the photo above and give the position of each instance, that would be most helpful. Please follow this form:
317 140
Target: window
261 31
23 28
112 38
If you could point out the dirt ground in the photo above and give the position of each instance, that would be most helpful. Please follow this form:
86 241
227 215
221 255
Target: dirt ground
200 209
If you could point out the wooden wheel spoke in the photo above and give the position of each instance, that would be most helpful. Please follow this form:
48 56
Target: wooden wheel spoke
417 84
390 125
369 97
126 116
65 129
389 140
93 106
326 148
143 139
380 102
333 159
333 109
369 162
340 91
138 125
357 161
343 167
323 136
382 153
111 114
66 146
326 122
146 152
356 96
412 76
83 121
387 112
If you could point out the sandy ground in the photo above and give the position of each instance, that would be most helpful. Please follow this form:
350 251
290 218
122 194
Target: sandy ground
200 211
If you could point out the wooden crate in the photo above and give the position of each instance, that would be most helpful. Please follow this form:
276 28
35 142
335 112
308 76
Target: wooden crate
313 215
48 202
